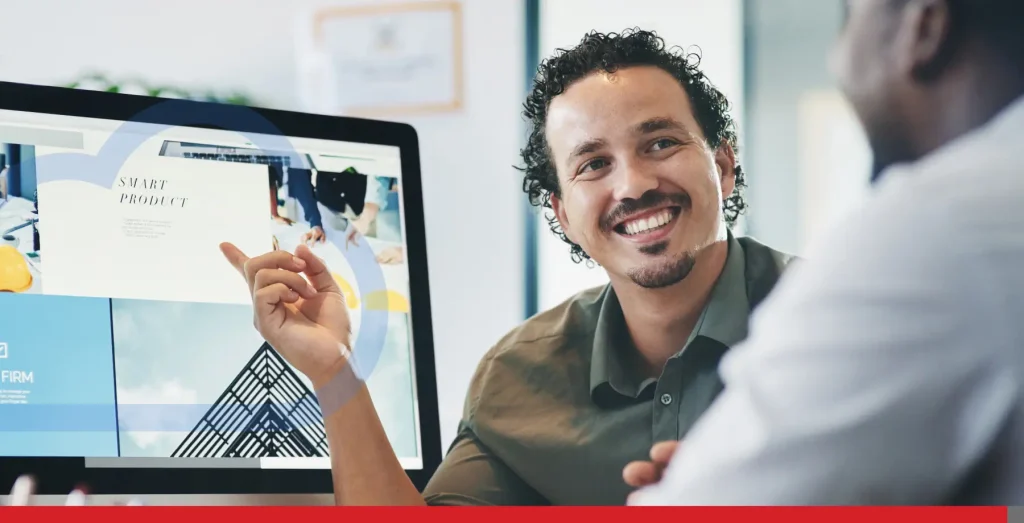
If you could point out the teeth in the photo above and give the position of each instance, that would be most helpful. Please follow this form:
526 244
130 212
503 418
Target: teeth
646 224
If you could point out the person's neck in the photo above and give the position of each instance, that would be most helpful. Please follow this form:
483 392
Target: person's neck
980 90
659 321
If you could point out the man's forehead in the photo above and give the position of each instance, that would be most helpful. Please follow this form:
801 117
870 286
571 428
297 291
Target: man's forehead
619 102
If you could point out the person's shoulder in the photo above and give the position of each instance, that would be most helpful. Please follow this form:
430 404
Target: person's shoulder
544 350
755 249
560 325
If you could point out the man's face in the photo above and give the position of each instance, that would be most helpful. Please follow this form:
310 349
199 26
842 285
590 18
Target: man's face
641 190
865 63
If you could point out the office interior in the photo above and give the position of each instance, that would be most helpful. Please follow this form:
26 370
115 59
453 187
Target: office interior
493 261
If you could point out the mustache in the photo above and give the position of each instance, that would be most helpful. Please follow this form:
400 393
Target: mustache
646 201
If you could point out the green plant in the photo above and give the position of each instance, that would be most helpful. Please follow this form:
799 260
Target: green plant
100 82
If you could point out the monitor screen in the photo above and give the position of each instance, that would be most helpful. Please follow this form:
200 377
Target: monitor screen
127 340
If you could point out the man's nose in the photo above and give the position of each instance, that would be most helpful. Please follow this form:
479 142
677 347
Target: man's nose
633 180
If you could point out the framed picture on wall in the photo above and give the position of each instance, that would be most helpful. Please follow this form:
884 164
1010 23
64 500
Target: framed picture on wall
383 59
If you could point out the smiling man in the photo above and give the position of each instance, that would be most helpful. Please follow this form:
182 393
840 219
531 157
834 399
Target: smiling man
634 152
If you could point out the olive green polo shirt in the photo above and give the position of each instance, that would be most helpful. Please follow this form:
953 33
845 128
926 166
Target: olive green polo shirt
557 408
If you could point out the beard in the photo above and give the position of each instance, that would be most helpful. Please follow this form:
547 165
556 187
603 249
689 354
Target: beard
662 274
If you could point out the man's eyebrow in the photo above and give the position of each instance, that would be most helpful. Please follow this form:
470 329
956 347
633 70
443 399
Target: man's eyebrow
658 124
586 147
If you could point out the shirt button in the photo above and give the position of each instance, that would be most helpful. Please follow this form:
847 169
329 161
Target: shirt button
666 399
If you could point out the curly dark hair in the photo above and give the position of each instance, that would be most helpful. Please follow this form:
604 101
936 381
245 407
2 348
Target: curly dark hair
609 52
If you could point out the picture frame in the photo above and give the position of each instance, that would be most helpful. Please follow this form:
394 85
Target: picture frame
395 59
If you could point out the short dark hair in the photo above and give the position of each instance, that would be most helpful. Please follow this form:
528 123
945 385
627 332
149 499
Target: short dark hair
999 24
610 52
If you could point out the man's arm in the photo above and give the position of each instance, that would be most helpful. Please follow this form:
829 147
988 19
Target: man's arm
300 187
471 475
376 199
364 466
366 470
872 375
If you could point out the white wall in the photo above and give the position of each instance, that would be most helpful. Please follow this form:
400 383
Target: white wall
788 47
472 193
716 27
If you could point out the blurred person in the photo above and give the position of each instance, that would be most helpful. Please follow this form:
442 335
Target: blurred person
352 201
24 489
888 369
276 179
634 152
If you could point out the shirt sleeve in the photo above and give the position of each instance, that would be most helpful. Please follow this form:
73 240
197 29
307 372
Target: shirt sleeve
873 374
300 187
472 476
377 191
471 473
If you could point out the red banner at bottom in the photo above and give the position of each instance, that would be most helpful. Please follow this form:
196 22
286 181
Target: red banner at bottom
518 514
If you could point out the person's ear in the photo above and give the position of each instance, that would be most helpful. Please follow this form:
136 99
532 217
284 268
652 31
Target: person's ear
924 38
563 219
725 161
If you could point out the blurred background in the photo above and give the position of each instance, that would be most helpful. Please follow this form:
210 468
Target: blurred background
493 261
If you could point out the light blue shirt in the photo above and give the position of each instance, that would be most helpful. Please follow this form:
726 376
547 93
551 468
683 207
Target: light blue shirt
377 188
886 368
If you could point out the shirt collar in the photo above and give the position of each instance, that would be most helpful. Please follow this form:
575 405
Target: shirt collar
724 319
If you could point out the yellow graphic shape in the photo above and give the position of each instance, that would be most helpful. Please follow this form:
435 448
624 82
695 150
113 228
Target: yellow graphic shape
351 300
388 300
14 273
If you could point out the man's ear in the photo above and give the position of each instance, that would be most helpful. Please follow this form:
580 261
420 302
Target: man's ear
725 161
563 220
924 39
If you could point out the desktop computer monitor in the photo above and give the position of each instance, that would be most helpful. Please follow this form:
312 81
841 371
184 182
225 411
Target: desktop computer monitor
128 357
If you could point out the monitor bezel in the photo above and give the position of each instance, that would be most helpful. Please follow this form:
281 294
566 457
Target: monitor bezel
57 476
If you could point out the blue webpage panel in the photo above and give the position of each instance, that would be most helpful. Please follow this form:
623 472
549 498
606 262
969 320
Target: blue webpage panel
56 377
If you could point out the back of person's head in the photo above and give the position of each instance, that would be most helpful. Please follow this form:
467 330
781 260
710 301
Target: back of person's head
919 73
997 26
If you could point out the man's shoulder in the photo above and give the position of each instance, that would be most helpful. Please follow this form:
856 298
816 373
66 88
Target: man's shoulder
756 250
550 351
566 323
764 267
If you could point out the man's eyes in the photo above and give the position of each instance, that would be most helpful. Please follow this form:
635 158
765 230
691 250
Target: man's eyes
593 165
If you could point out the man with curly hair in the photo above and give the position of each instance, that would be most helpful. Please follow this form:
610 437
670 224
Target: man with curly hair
634 152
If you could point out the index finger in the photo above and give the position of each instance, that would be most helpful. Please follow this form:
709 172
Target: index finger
235 256
248 267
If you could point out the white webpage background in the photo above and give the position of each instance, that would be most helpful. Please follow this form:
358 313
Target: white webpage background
88 251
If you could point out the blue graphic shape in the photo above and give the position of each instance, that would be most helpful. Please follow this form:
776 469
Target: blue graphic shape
102 170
